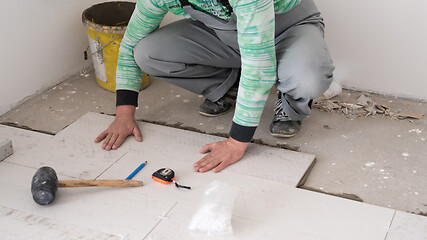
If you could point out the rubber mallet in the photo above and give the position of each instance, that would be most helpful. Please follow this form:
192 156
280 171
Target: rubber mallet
45 184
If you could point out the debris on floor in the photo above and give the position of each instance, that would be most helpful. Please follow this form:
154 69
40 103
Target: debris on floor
6 149
364 107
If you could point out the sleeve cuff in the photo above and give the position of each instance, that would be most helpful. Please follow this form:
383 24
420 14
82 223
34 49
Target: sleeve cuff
126 97
242 133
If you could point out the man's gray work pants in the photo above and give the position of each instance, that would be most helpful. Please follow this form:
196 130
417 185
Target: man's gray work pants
202 56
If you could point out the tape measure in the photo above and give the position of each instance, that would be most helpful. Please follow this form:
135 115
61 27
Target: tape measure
166 176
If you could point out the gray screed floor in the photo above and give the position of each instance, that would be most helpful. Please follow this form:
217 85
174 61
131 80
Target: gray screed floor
377 159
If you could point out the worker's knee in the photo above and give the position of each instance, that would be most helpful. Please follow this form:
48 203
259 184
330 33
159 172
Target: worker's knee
305 82
144 55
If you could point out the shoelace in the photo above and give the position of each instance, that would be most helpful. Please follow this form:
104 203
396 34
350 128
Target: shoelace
279 114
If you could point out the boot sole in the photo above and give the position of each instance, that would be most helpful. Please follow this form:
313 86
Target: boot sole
283 135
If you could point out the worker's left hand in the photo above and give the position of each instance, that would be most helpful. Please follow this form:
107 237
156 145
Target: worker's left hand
220 155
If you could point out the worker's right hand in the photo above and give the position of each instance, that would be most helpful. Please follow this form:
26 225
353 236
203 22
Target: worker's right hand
123 126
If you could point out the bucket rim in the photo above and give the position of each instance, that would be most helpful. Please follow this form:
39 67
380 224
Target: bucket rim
106 28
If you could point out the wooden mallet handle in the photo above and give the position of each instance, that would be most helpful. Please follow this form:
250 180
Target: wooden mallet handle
100 183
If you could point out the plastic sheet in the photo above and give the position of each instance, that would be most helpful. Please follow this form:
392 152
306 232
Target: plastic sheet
214 214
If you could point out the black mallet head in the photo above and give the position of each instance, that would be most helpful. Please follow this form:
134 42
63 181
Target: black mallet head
44 185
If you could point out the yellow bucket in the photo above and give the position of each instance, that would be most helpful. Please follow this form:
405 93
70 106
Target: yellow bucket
106 24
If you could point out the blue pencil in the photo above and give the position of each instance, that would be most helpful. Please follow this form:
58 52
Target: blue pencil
136 171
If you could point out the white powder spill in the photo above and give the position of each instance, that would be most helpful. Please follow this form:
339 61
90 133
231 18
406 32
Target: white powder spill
385 177
369 164
405 154
381 170
423 139
186 100
415 130
365 185
416 193
178 95
415 171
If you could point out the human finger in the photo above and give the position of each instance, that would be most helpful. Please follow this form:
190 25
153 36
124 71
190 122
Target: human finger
106 140
120 139
221 166
207 148
111 142
101 136
201 163
137 134
213 162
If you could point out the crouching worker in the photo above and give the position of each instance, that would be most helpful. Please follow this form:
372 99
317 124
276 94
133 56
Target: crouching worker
231 53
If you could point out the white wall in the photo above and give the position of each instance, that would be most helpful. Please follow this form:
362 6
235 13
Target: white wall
41 43
376 45
379 45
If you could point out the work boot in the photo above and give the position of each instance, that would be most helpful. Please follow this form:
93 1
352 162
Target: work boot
223 105
220 107
281 125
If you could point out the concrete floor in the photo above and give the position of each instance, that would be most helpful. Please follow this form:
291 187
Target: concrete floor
377 160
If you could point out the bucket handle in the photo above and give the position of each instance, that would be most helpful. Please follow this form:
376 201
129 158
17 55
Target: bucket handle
85 52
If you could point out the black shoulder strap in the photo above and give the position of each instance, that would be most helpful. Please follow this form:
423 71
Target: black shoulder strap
226 4
184 3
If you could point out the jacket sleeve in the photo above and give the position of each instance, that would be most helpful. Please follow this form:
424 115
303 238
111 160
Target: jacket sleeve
145 19
255 26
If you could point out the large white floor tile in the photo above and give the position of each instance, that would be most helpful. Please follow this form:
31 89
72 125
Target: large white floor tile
67 157
292 213
408 226
278 165
113 211
18 225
